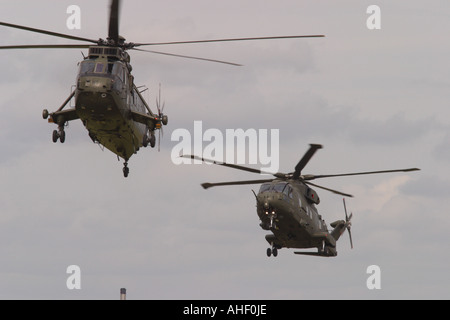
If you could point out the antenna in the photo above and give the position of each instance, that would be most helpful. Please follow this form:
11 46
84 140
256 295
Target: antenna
123 294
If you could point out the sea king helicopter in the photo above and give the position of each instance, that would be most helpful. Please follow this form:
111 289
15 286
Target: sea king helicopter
286 206
107 101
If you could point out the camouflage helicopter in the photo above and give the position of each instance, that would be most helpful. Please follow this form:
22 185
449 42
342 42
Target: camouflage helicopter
286 206
107 101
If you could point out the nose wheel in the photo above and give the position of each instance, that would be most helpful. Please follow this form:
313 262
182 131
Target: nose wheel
126 170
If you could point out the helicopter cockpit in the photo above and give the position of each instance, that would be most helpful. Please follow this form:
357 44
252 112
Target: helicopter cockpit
97 67
103 69
265 187
280 187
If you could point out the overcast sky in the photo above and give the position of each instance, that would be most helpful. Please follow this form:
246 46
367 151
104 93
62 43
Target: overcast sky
375 99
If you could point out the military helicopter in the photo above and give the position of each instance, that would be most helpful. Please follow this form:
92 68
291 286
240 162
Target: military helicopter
286 206
107 101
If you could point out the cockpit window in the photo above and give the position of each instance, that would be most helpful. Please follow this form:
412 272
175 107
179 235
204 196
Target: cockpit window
279 187
265 187
288 191
110 67
87 67
99 68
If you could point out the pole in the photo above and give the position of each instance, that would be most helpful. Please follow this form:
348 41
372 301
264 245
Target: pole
123 294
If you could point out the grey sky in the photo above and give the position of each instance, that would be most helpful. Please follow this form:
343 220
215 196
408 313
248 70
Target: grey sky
376 99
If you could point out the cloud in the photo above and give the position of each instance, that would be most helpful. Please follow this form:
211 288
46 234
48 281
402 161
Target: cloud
441 151
428 186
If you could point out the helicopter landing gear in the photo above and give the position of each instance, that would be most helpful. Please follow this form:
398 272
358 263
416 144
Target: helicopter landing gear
322 248
273 224
151 140
126 170
59 134
272 251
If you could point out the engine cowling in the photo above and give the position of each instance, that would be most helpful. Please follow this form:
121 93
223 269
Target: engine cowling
312 196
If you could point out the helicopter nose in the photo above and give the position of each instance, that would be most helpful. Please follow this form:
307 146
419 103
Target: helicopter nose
268 198
95 84
268 201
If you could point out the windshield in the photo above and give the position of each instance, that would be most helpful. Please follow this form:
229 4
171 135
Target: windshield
279 187
265 187
87 67
101 67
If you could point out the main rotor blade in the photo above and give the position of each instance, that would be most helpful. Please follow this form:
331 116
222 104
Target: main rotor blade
48 46
50 33
350 235
345 209
312 177
234 166
234 183
113 30
304 161
331 190
188 57
226 40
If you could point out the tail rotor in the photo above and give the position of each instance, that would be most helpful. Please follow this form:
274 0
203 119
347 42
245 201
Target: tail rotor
162 117
348 223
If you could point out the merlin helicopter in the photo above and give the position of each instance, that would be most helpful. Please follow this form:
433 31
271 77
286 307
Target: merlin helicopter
286 206
107 101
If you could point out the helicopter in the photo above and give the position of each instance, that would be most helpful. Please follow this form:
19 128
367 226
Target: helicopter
107 101
286 206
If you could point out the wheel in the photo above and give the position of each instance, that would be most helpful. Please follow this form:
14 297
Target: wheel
275 252
165 120
62 136
152 141
126 171
55 136
145 141
269 252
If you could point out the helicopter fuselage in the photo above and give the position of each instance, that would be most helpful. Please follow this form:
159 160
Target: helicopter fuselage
109 104
103 100
287 209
